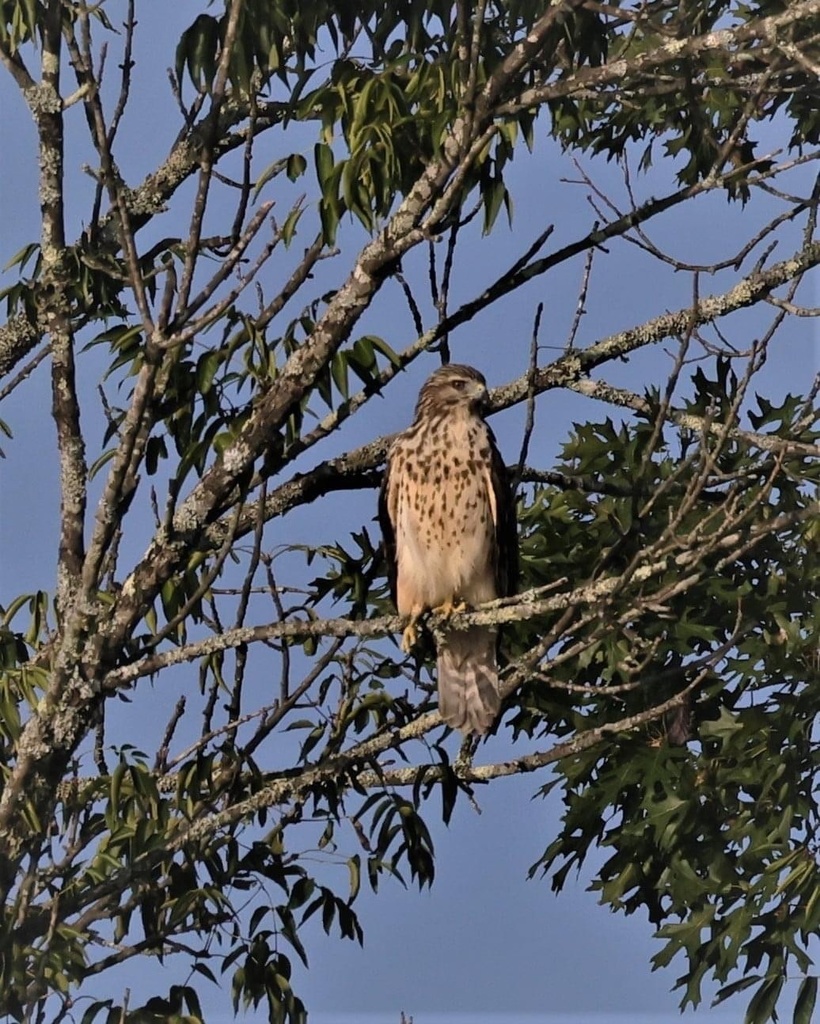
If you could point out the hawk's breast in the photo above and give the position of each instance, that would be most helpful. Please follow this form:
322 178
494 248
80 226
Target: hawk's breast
444 515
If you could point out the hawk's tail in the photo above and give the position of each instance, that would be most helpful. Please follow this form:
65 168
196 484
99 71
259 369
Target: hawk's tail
468 679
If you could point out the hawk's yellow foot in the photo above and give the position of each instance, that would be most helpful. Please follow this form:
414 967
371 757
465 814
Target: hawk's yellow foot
410 636
450 607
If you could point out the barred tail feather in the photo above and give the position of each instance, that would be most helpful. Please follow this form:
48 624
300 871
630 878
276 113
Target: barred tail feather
468 680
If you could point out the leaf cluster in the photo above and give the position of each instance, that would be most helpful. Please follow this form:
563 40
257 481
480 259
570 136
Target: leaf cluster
711 833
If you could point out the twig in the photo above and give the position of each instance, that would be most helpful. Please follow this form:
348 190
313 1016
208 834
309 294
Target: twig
581 305
529 424
25 372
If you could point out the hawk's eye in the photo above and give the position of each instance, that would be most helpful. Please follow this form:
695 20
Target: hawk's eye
459 385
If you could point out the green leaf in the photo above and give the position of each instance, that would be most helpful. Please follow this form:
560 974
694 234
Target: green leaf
288 229
22 256
94 1009
354 866
197 51
323 155
761 1008
296 166
806 999
736 986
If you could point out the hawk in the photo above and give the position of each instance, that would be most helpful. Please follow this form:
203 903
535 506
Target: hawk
448 519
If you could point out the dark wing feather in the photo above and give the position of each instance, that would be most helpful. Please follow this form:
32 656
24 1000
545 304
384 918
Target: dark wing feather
388 533
506 527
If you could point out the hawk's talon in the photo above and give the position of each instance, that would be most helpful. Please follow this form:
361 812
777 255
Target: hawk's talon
410 636
452 606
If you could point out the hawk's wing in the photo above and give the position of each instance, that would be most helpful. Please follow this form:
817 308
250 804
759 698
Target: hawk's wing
505 548
388 529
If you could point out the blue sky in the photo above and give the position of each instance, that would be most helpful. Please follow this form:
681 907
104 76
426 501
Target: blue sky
484 938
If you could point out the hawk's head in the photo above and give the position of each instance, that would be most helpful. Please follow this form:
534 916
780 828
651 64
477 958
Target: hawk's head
453 387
